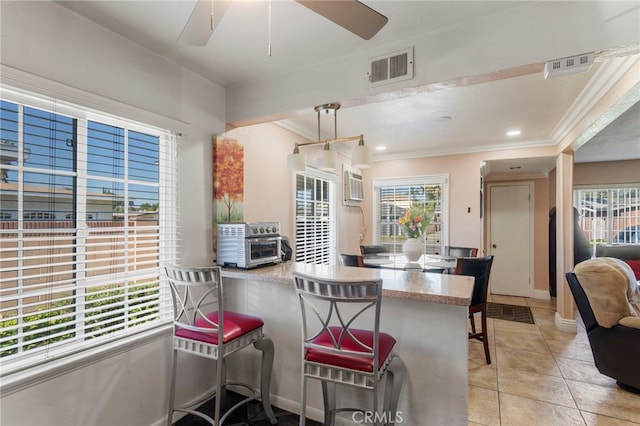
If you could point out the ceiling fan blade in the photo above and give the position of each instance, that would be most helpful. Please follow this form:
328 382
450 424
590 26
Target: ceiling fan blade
198 29
351 15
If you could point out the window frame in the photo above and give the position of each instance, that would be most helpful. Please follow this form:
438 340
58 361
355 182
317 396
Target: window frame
611 233
436 179
23 370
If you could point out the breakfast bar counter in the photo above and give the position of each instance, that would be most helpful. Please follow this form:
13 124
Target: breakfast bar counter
425 312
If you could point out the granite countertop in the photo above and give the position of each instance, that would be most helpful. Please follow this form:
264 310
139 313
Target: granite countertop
429 287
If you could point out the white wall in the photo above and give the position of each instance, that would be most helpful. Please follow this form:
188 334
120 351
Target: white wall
42 41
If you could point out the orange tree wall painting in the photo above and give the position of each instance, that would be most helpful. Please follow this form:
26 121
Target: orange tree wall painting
228 180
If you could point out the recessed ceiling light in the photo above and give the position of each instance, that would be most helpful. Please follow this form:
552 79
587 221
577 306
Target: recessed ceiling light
514 133
380 148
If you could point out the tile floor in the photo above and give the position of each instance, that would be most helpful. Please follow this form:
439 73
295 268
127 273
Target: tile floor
541 376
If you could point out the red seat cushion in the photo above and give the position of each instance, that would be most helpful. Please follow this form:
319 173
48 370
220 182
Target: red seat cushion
635 266
235 325
385 343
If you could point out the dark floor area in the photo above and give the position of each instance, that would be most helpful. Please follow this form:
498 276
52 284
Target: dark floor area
250 414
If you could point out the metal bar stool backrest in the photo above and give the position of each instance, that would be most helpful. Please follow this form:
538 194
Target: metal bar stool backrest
325 313
202 327
342 342
195 293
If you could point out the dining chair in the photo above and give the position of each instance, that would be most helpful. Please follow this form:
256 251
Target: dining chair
372 250
480 268
351 260
460 251
335 352
199 329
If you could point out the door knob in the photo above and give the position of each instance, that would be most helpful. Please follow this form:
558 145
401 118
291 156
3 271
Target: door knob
494 246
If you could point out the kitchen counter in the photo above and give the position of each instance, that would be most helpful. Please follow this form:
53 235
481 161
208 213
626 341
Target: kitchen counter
425 312
437 288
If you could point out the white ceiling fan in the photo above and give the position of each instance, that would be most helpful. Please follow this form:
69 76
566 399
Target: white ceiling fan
351 15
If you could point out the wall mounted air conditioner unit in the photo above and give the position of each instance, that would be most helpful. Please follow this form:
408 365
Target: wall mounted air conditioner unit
353 188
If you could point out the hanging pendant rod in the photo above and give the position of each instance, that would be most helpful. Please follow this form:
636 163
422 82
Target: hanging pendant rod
326 141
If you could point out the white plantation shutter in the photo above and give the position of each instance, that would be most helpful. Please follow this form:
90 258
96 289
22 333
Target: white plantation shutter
315 218
88 214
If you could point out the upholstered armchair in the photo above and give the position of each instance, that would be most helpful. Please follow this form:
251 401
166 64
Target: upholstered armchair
608 299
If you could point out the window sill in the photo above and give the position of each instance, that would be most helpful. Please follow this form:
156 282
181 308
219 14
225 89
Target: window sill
31 376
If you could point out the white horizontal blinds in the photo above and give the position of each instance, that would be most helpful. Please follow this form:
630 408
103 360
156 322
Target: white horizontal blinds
80 233
315 229
395 198
609 215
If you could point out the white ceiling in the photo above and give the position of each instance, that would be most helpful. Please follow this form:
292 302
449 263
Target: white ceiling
439 119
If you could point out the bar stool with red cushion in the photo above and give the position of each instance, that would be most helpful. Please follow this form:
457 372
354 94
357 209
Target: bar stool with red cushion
198 298
336 352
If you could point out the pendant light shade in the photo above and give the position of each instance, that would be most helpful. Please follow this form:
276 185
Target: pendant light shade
296 162
362 155
328 159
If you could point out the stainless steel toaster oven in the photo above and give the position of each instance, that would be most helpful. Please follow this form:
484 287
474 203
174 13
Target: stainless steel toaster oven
248 244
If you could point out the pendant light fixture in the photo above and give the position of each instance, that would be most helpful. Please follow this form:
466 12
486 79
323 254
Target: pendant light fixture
362 156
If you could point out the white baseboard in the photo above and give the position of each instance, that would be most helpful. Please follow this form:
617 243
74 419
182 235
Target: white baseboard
566 325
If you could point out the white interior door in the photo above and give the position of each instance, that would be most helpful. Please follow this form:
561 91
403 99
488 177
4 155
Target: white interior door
511 239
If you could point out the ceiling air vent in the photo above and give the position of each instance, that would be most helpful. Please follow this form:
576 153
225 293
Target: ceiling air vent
570 65
391 67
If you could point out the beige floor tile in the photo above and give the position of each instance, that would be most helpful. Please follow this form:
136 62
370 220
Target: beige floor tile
550 304
528 362
583 371
540 387
529 342
593 419
544 317
520 327
483 406
575 349
476 352
483 375
551 332
519 411
541 376
605 400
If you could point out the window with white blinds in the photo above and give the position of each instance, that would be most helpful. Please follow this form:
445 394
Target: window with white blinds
394 197
609 215
88 213
315 219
